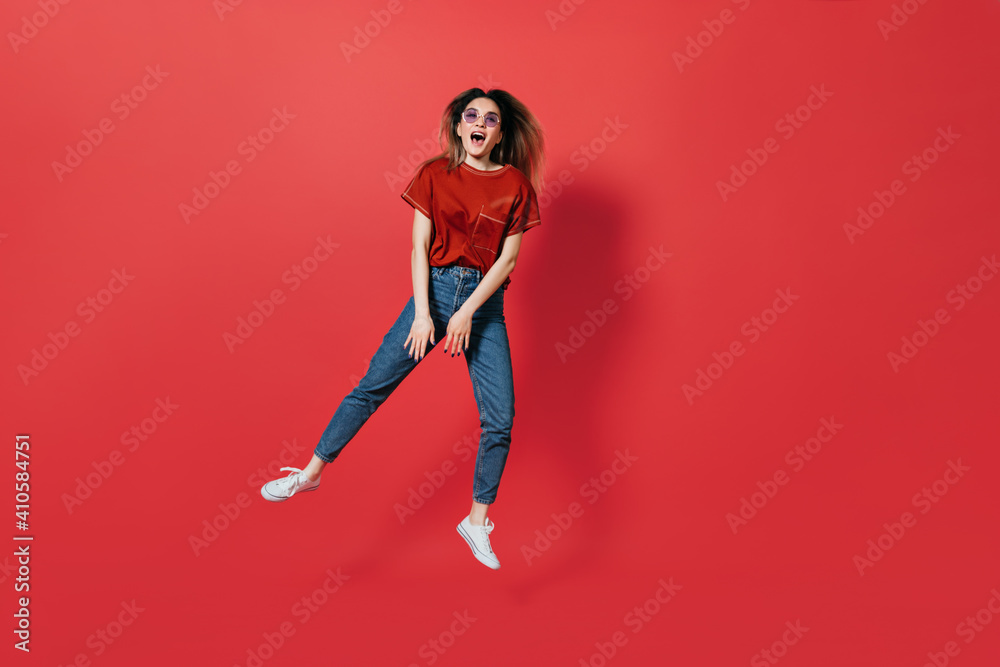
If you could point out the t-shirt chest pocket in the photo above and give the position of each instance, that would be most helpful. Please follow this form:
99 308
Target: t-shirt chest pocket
487 233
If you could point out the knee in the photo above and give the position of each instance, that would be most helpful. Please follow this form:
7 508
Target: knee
361 397
498 422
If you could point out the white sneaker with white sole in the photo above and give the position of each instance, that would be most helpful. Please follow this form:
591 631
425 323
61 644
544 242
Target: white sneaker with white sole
282 489
478 538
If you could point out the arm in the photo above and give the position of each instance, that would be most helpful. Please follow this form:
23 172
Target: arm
460 325
422 329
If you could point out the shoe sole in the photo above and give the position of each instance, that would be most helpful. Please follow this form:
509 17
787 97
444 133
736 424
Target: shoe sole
475 551
277 499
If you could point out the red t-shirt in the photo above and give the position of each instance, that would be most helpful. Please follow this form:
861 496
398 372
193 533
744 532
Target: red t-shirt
472 211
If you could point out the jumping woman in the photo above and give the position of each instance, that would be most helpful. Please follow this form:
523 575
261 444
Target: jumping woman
472 204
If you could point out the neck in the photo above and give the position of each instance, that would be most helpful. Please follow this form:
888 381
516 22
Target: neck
483 163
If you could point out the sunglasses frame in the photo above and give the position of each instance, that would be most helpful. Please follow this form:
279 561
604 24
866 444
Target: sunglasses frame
480 115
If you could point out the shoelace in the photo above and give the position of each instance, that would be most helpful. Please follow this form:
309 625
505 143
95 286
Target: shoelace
487 528
287 483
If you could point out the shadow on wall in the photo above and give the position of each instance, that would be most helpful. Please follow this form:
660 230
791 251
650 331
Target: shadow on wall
568 365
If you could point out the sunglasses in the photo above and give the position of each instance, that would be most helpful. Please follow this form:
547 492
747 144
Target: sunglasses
471 115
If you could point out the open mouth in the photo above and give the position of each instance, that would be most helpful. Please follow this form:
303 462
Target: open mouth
477 138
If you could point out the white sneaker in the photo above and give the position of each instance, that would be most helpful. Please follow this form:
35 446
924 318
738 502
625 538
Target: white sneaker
286 487
478 538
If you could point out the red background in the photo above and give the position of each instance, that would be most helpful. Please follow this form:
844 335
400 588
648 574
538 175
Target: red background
655 184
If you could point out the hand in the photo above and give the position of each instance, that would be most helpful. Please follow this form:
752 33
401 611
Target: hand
421 331
459 332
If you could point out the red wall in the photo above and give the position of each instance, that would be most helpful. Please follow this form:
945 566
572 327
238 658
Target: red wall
806 397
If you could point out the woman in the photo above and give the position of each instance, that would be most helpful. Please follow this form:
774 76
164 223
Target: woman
472 205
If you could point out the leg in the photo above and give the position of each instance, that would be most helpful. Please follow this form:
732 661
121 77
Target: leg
477 515
390 365
488 358
315 468
387 369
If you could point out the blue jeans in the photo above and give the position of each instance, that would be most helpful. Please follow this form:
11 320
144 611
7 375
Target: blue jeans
488 359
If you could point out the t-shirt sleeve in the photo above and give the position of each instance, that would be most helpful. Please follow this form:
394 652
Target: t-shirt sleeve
525 212
419 193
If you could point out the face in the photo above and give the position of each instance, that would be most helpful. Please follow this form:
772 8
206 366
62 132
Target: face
477 138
